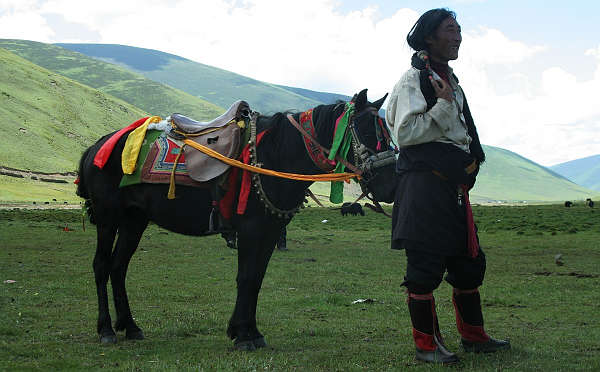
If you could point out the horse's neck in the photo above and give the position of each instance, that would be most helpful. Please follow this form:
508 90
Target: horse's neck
282 149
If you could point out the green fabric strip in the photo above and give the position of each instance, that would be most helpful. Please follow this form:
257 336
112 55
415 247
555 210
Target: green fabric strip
336 194
340 131
341 145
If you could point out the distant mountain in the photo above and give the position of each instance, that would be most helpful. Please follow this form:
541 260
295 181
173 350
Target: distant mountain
507 176
584 171
48 120
213 84
326 98
150 96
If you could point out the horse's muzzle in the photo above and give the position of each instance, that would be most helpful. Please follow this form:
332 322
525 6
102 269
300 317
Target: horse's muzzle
379 176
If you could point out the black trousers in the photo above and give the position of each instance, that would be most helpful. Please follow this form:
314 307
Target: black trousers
425 271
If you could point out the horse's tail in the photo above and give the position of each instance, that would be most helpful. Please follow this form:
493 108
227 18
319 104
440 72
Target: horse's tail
82 190
81 184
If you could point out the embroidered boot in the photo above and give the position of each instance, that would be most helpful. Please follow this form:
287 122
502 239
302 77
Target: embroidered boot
469 321
426 331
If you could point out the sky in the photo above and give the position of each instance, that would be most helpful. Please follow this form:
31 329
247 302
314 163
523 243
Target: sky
530 68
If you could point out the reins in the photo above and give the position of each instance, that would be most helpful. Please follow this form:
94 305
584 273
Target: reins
269 172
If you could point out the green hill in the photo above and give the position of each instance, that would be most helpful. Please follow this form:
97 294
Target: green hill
48 120
584 171
213 84
152 97
509 177
505 177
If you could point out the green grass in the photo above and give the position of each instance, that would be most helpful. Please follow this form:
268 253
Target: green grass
182 291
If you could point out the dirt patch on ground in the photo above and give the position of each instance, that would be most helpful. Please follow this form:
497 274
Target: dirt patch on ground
575 274
40 176
39 206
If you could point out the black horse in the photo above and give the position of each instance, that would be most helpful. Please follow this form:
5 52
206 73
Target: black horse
126 211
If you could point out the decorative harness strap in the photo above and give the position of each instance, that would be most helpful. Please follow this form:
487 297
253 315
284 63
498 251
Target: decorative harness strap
308 138
315 151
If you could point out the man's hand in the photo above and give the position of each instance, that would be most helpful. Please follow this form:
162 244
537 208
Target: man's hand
442 89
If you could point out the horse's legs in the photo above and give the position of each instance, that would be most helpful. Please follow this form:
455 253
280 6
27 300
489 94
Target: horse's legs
106 237
262 259
130 232
253 258
238 329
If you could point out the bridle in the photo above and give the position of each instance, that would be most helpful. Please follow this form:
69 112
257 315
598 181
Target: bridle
366 159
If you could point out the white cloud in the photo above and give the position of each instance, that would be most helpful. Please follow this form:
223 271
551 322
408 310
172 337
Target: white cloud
594 52
312 44
491 46
559 121
20 20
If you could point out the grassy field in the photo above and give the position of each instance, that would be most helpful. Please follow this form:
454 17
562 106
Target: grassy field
182 291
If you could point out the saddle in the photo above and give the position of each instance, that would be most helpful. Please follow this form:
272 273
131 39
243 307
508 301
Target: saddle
183 124
221 134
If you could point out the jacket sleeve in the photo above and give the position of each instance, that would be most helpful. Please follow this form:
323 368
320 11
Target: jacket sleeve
407 114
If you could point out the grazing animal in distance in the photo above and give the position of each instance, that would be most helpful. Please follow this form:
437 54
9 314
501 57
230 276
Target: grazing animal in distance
352 208
126 211
568 204
589 202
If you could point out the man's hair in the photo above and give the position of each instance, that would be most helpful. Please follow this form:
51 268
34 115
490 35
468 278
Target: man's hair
425 26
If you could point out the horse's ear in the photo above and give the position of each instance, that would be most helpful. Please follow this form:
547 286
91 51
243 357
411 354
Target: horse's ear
360 99
377 104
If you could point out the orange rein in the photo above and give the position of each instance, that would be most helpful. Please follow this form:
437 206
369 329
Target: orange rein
292 176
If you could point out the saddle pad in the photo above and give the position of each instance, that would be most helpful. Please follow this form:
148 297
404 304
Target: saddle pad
224 140
156 160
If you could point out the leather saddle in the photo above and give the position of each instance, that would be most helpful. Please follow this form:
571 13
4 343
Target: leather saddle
237 111
222 134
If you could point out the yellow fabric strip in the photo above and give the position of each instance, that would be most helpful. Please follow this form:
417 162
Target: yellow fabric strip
291 176
171 193
131 151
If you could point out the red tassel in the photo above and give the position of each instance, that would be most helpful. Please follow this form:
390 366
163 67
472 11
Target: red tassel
472 239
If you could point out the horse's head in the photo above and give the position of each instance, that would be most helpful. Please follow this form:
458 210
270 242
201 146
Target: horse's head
373 150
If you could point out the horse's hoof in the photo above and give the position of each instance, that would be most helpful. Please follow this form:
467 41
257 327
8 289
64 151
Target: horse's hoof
135 335
108 339
259 342
244 346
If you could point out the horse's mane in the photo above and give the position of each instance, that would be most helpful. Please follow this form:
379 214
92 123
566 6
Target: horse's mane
322 113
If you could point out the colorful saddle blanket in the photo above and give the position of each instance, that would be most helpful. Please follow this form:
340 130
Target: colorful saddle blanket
156 160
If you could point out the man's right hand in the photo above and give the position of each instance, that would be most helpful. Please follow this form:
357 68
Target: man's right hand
442 89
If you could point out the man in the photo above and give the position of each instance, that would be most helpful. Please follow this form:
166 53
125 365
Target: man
438 162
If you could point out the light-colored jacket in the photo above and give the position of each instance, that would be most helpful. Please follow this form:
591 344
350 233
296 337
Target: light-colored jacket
412 124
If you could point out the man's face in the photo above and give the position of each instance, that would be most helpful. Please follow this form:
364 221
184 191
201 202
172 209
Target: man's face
444 43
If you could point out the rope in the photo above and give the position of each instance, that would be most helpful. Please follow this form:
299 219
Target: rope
269 172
